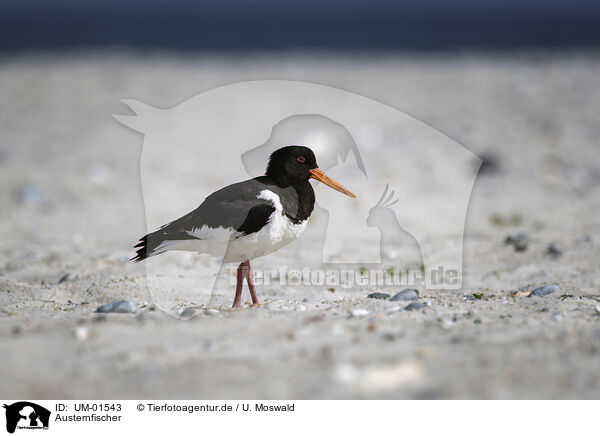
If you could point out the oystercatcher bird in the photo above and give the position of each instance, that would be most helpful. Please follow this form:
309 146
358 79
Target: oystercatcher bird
249 219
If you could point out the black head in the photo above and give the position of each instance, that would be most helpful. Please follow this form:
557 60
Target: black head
295 164
291 165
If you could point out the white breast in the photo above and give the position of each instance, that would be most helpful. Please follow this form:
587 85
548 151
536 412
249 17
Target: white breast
278 232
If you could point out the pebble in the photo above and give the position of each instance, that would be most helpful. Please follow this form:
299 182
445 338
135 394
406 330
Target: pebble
211 312
598 309
81 333
406 295
553 251
30 195
379 296
544 290
122 306
187 313
388 336
359 312
415 306
63 278
519 241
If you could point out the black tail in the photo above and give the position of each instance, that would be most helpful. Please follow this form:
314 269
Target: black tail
141 252
148 245
173 231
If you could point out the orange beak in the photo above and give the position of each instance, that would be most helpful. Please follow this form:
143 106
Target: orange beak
319 175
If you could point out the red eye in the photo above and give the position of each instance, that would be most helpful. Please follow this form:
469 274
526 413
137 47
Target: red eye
300 158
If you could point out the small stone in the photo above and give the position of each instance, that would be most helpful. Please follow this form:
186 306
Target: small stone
406 295
359 312
314 318
210 312
415 306
379 296
553 251
515 237
477 321
81 333
544 290
63 278
30 195
520 246
598 309
187 313
122 306
519 241
388 336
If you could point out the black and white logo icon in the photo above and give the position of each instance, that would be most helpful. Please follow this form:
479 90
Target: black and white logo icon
26 415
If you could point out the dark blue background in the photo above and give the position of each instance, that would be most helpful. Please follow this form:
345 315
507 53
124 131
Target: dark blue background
270 24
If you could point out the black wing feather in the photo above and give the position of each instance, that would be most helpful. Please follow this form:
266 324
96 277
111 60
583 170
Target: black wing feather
235 206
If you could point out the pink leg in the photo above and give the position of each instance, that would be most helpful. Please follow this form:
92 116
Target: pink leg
250 278
244 271
237 301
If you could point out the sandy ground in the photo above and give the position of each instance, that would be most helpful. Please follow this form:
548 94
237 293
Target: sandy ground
72 207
